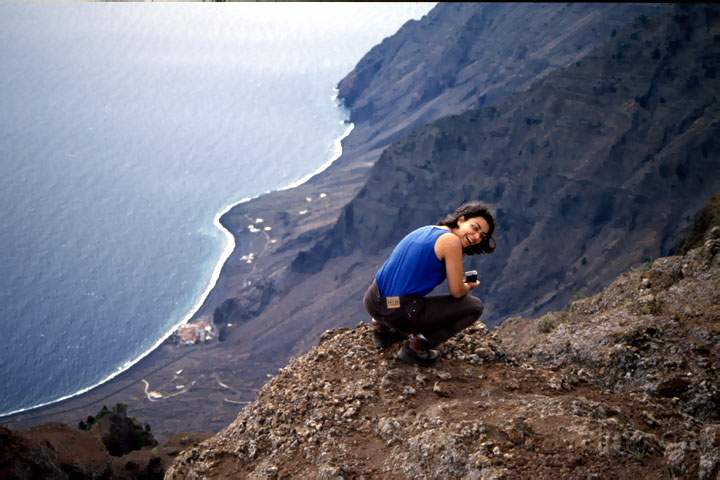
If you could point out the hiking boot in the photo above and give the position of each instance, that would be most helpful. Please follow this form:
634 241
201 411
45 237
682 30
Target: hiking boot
383 336
386 339
423 358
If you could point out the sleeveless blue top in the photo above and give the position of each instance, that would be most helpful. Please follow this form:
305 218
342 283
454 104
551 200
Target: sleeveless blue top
412 268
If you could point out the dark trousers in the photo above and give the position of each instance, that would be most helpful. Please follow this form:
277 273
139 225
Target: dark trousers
437 318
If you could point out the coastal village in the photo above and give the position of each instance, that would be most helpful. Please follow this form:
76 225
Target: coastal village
201 331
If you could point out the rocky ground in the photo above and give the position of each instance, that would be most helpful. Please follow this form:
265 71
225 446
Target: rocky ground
623 384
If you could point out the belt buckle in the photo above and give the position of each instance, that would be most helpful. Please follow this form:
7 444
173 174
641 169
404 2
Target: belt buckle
392 302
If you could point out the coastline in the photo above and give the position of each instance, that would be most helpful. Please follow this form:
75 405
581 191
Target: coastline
227 251
337 152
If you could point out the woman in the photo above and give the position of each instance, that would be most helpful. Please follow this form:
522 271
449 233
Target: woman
396 300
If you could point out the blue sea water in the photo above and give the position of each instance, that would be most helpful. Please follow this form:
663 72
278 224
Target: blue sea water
124 130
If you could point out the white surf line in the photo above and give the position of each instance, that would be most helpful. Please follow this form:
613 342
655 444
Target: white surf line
337 152
236 402
227 251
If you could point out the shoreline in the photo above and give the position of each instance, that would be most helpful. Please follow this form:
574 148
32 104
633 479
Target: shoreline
227 251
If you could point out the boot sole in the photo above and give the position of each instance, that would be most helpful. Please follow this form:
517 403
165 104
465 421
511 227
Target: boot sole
407 355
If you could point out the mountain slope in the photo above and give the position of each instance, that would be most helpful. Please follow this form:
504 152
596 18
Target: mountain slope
462 55
594 169
623 386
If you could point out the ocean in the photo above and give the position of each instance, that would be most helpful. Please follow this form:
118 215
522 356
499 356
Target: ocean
125 128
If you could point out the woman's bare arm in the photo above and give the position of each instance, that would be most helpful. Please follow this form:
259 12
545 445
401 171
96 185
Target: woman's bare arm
448 247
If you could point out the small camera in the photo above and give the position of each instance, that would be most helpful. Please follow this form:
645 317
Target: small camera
471 276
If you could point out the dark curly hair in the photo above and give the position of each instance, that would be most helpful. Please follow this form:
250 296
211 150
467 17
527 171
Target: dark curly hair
470 210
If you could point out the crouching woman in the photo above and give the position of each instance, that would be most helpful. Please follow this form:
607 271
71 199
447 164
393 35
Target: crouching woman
396 300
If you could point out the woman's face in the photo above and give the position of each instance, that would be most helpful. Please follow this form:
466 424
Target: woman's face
471 231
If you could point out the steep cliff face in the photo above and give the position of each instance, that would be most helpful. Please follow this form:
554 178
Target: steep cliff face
624 384
462 55
592 170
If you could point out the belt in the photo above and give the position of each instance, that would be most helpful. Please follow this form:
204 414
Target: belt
396 301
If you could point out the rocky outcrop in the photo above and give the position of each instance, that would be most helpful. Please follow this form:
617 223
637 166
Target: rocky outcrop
654 333
705 219
623 384
108 450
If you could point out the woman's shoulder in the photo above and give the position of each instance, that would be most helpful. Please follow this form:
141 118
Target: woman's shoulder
440 231
448 239
445 243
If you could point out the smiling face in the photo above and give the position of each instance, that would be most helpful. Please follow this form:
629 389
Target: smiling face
471 231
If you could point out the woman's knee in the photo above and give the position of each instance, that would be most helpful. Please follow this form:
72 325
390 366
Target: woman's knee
475 306
471 312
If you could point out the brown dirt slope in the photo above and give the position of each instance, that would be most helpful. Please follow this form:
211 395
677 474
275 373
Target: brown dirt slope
623 384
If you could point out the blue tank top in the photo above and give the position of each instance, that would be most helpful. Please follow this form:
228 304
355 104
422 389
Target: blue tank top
412 268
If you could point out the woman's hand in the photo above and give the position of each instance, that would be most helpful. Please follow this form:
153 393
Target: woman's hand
471 285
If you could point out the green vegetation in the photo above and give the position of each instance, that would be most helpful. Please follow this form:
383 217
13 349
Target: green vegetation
643 267
119 433
546 324
578 296
119 409
651 307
